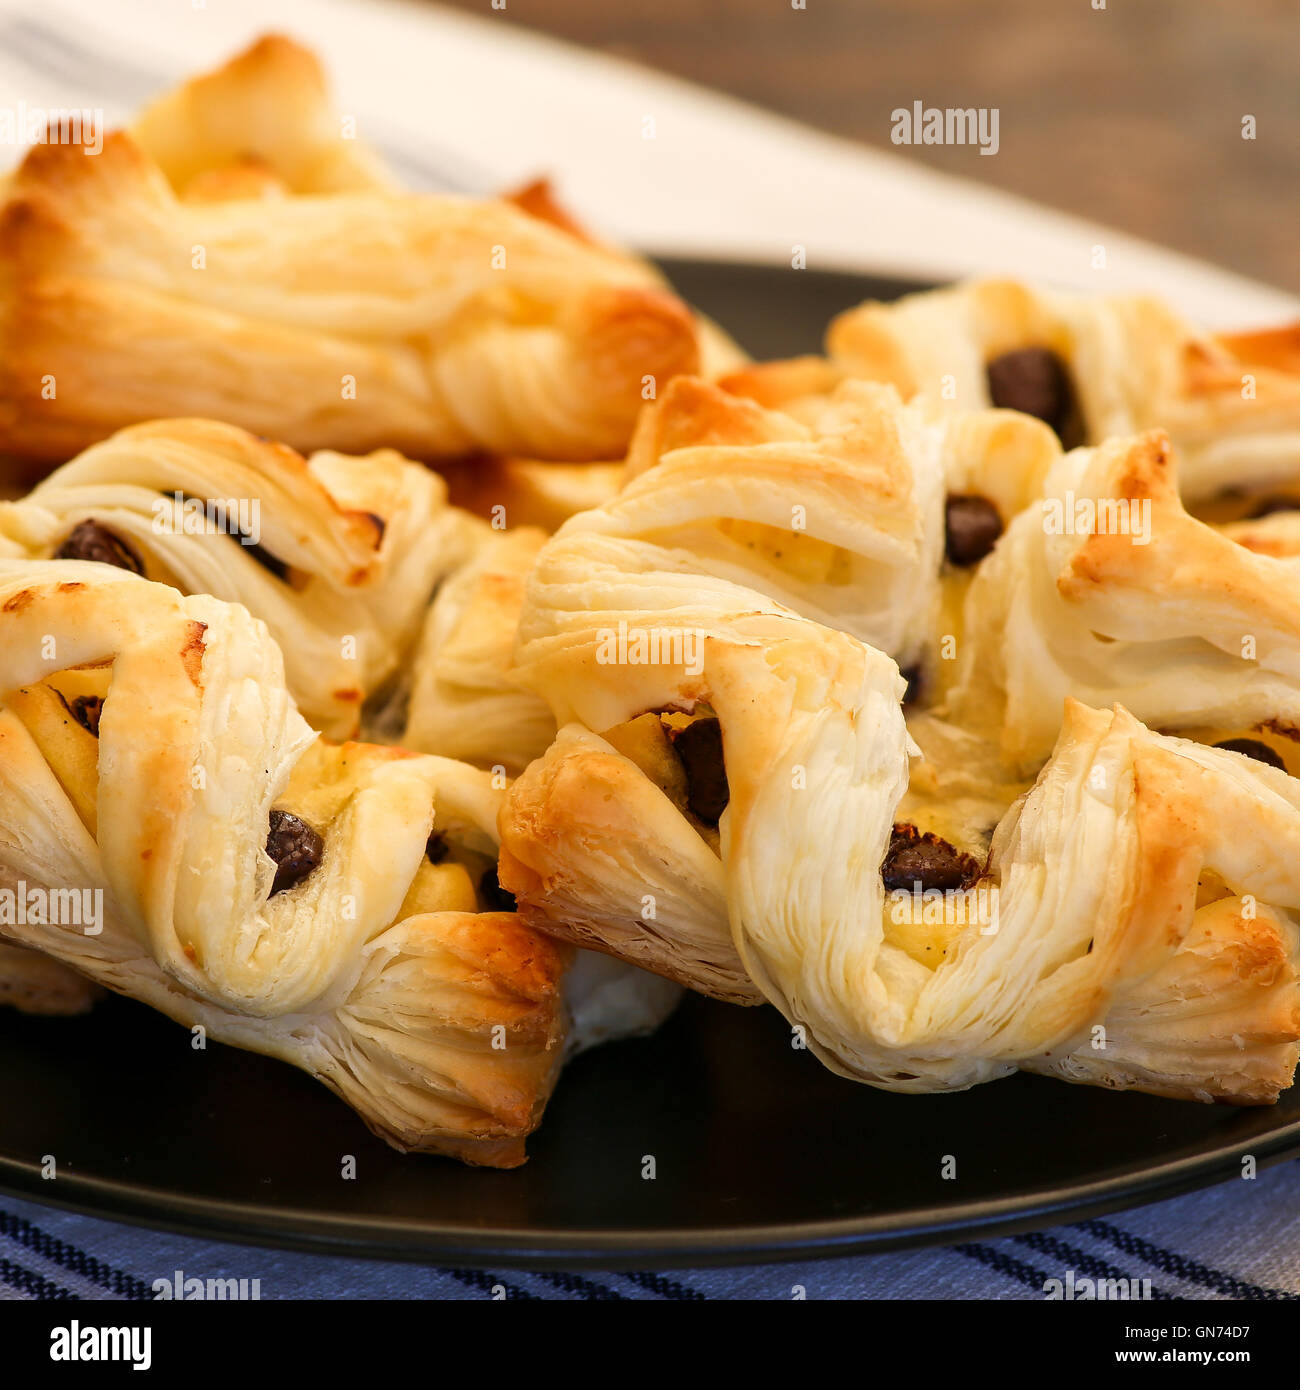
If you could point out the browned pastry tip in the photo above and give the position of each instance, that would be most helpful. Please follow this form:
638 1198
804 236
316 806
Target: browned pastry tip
538 200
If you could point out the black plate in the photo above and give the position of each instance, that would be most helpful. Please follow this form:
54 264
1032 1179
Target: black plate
759 1152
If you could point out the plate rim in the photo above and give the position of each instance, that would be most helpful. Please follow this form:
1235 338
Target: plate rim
414 1241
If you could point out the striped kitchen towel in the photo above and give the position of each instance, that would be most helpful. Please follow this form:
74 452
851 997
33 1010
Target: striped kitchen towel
1237 1241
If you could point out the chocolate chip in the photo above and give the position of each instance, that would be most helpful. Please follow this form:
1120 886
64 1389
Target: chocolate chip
914 858
1035 382
1266 506
1253 748
912 675
492 893
972 528
699 746
85 709
436 849
88 540
295 847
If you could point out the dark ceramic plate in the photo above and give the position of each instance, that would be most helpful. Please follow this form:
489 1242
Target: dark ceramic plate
759 1152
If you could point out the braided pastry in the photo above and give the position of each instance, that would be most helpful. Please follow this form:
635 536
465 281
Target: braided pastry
650 602
338 555
1092 367
840 515
318 903
1109 591
733 515
463 325
1171 970
729 803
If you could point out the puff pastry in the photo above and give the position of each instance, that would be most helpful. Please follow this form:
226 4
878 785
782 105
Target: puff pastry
464 701
1109 591
733 515
1071 849
434 324
727 811
347 554
1095 366
319 903
519 493
260 125
1123 932
844 515
604 840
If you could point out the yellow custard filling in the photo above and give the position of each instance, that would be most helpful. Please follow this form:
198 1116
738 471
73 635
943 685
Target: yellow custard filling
795 553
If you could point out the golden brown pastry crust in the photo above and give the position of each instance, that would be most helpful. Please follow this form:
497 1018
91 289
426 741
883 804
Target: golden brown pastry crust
1208 1004
464 702
517 493
465 326
442 1026
816 759
362 542
260 122
597 855
1150 608
1231 404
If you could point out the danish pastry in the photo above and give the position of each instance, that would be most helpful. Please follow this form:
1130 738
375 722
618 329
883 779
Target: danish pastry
941 691
1109 591
1092 367
729 802
353 320
338 555
635 609
734 517
332 905
1173 969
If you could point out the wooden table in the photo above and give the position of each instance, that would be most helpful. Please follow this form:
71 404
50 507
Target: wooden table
1130 114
